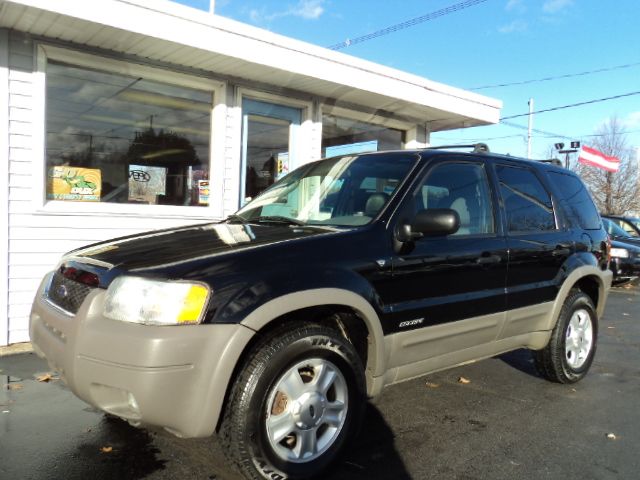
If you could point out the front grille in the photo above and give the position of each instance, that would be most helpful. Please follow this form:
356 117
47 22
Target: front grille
66 293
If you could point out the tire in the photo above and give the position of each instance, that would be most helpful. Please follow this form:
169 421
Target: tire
295 404
572 347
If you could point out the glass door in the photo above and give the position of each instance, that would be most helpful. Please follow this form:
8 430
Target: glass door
268 144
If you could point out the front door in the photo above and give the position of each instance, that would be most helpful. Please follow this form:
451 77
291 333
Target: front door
440 282
269 134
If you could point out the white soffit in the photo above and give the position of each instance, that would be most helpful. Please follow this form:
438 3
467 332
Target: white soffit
163 31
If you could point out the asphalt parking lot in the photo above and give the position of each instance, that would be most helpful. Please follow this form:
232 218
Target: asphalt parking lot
505 423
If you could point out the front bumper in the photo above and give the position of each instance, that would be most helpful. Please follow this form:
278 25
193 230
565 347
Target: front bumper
174 377
624 269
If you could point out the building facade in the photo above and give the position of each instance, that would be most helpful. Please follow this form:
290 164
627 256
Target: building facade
118 117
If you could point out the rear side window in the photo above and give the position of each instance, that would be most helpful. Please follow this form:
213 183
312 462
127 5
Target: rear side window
575 200
526 201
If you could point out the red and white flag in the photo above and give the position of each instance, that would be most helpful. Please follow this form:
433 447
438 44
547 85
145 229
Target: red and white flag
590 156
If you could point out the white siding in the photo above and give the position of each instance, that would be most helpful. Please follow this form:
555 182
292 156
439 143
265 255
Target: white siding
231 186
4 178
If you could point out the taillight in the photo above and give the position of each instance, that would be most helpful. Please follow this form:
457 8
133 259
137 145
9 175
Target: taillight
69 272
89 279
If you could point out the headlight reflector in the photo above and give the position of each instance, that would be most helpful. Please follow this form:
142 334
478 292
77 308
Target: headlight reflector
620 252
153 302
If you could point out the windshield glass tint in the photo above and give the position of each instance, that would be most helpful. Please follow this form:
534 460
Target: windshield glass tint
613 229
344 191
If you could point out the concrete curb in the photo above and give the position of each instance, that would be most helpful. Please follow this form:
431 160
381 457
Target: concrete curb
16 348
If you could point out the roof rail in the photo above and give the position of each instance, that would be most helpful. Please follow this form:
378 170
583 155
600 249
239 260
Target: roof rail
553 161
476 147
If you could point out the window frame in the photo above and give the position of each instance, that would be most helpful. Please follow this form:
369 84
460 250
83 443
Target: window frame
358 116
45 206
304 136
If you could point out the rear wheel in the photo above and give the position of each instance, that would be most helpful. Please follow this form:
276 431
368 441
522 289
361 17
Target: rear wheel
298 400
572 347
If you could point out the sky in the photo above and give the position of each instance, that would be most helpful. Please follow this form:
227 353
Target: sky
488 43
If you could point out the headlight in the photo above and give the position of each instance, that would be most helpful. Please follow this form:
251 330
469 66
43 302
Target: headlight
620 252
152 302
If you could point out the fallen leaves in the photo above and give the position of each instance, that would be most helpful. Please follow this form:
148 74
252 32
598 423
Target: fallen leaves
106 449
45 377
432 385
464 380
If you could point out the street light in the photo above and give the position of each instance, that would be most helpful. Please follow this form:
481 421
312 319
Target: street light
575 146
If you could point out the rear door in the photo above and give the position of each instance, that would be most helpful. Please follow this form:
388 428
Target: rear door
538 246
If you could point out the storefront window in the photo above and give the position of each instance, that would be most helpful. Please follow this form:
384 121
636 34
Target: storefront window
342 136
119 139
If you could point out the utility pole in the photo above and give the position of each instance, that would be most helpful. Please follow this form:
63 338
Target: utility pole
212 4
530 128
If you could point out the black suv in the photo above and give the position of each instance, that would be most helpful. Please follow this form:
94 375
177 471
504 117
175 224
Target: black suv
348 275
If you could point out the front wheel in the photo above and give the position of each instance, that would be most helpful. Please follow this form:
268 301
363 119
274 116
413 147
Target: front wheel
299 398
572 347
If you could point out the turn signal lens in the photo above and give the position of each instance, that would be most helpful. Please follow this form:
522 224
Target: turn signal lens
194 302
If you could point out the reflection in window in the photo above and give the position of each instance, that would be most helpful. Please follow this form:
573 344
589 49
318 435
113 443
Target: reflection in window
347 191
113 138
528 204
342 136
267 152
576 201
462 187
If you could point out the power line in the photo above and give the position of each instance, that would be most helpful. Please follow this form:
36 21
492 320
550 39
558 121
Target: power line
572 105
559 135
475 140
557 77
541 132
406 24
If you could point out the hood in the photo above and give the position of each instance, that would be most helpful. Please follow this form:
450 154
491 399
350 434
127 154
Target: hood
174 246
635 241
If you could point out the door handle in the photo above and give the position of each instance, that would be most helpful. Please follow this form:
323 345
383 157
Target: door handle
488 259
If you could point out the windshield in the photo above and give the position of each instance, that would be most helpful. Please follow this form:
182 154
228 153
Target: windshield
634 221
342 191
614 230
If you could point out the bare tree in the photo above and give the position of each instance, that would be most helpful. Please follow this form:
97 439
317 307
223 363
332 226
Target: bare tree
614 192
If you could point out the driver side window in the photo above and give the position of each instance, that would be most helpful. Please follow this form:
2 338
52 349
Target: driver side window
462 187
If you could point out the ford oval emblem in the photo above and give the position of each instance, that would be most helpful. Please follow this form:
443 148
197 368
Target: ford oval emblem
62 291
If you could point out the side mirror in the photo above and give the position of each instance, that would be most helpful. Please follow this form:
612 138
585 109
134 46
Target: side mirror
430 223
436 222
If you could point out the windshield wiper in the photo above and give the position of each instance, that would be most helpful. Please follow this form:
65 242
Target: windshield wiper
235 219
279 219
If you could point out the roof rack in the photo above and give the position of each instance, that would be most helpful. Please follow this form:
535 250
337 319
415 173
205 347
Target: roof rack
476 147
553 161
